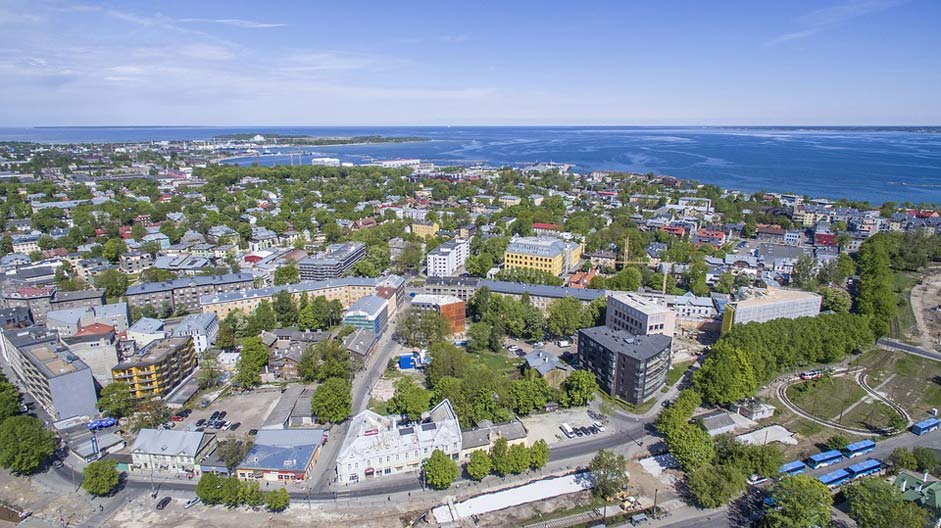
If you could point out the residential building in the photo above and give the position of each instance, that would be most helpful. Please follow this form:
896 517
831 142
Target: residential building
451 308
70 322
136 261
96 345
922 489
482 437
550 255
424 229
16 317
67 300
202 327
760 305
627 366
337 260
603 259
58 380
282 455
368 312
709 236
170 452
145 331
549 367
37 299
183 294
159 367
446 259
376 445
638 315
508 200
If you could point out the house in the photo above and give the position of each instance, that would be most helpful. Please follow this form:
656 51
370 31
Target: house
924 490
553 370
170 452
482 437
716 422
282 455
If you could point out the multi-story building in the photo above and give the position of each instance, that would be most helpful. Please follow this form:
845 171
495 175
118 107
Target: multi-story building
346 290
77 299
336 261
446 259
281 455
26 244
57 379
550 255
202 327
449 306
70 322
170 452
424 229
35 298
146 330
639 315
184 294
369 312
159 367
627 366
136 261
96 345
377 446
760 305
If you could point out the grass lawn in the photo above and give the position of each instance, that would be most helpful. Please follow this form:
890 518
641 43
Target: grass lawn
607 401
827 396
912 382
676 372
378 406
500 362
903 323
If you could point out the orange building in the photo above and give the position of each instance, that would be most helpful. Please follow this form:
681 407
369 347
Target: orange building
452 308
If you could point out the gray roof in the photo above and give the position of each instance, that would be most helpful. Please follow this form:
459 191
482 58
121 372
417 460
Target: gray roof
300 287
360 341
188 282
622 342
544 362
371 305
279 416
147 325
195 323
539 290
168 442
482 436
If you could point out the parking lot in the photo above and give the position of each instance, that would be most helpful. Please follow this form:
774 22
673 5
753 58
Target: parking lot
548 426
249 409
551 347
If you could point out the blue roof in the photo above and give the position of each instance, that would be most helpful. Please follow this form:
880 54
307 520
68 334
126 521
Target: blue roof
826 455
833 476
862 444
791 466
928 423
865 465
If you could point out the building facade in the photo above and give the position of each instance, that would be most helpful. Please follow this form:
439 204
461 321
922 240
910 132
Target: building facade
547 254
638 315
368 312
446 259
202 327
158 367
760 305
627 366
184 294
337 260
451 308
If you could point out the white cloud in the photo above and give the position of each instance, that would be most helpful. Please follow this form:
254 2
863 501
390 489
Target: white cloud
235 22
819 20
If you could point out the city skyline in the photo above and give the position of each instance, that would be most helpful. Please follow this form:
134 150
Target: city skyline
864 62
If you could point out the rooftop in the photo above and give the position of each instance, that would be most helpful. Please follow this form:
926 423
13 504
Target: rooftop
153 353
628 344
170 442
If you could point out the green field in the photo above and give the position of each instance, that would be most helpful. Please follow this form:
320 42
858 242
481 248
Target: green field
911 381
902 324
500 362
676 371
826 397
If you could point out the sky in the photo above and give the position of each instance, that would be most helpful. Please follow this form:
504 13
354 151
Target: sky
442 62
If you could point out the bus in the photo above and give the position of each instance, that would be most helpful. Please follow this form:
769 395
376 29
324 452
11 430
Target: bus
835 479
825 459
567 429
811 375
859 448
867 467
792 468
926 426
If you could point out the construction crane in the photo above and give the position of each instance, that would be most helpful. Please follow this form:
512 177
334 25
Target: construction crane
667 266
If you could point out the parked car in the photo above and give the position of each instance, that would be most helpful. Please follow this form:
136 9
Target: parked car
192 502
221 414
57 463
538 344
177 418
599 426
214 415
234 426
578 432
200 422
163 503
253 432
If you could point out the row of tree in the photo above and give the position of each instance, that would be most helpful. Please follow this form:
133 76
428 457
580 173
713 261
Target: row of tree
505 459
232 492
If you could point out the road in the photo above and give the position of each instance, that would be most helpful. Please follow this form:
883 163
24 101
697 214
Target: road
892 344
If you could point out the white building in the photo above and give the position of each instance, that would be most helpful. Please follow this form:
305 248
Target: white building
170 452
639 315
446 259
326 162
202 327
377 446
760 305
399 163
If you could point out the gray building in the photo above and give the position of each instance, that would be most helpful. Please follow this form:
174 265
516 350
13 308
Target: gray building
57 379
136 261
202 327
338 259
69 322
627 366
184 294
77 299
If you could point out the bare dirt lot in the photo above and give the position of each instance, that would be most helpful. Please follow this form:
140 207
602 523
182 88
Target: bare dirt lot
925 299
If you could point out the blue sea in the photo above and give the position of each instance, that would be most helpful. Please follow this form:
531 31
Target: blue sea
875 164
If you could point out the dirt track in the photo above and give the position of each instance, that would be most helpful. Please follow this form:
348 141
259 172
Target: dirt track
925 298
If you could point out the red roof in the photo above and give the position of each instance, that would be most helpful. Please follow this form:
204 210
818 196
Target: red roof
254 259
674 230
548 227
95 329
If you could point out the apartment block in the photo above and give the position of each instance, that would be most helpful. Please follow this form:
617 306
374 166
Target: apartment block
446 259
335 261
159 367
184 294
547 254
449 306
627 366
639 315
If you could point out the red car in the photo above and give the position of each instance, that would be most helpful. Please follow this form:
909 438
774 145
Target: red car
176 418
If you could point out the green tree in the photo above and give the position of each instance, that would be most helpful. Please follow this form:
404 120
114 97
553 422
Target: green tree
250 494
209 373
876 297
691 446
409 399
9 399
113 281
332 401
253 357
580 388
113 249
927 460
875 503
100 477
608 473
284 309
565 316
519 458
225 339
479 465
835 299
264 318
277 500
800 501
231 451
287 274
838 442
209 489
714 485
439 470
24 444
115 400
539 454
903 459
231 492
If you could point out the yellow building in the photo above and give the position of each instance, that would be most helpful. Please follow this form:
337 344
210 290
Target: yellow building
158 368
508 200
425 230
547 254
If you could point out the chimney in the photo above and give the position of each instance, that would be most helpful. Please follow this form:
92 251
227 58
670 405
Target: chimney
904 485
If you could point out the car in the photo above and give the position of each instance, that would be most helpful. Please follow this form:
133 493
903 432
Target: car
214 415
235 426
163 503
177 418
585 431
538 344
199 429
253 432
221 414
192 502
593 430
578 432
200 422
57 464
757 479
599 426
